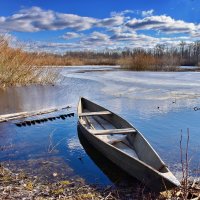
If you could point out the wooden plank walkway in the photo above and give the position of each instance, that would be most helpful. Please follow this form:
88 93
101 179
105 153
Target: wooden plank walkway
14 116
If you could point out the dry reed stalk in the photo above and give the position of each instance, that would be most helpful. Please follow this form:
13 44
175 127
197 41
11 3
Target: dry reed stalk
17 67
185 166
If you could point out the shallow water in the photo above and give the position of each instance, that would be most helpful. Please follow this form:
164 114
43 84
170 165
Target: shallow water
159 104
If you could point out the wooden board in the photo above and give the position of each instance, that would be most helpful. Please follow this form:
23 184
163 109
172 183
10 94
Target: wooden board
113 131
94 113
13 116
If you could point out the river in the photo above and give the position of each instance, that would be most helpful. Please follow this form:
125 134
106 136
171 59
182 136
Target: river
159 104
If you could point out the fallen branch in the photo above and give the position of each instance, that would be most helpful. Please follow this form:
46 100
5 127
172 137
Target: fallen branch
13 116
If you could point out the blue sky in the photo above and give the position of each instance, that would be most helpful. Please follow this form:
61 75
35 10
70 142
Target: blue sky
59 26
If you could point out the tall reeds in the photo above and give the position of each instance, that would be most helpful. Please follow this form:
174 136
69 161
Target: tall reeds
17 67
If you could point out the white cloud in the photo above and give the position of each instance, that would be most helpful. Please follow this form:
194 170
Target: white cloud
115 32
147 13
71 35
162 23
116 20
95 38
35 19
97 41
122 13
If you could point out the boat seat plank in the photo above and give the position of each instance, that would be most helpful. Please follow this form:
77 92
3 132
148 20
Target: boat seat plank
113 131
94 113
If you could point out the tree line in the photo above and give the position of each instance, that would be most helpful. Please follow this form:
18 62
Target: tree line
161 57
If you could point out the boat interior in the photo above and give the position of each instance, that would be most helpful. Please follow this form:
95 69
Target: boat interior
116 131
109 133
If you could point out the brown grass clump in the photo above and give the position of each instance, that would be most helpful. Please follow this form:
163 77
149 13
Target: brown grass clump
140 62
17 67
73 59
144 61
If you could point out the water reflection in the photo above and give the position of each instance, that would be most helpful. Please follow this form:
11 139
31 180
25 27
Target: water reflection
28 98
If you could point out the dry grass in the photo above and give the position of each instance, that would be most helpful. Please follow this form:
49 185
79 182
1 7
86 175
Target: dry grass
22 186
73 59
17 68
142 61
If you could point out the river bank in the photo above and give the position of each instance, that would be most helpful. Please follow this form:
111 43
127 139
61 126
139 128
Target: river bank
20 185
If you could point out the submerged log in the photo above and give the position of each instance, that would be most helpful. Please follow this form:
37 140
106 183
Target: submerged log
14 116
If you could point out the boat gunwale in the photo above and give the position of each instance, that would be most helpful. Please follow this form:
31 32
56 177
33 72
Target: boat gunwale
136 159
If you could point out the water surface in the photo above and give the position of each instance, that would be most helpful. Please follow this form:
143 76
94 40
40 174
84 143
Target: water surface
159 104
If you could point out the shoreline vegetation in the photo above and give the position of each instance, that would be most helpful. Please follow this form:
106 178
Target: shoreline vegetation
18 67
159 58
19 185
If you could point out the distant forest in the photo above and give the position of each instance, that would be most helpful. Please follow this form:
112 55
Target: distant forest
161 57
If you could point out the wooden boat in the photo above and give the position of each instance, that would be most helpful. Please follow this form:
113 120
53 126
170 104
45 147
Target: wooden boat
124 145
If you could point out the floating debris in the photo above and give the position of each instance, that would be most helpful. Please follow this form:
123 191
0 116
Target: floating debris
55 174
71 114
38 121
18 124
28 123
42 120
196 108
33 122
67 107
62 117
13 116
23 124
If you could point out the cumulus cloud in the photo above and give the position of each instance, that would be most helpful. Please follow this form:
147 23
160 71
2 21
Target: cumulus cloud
52 47
95 38
71 35
36 19
114 32
161 23
110 22
97 41
123 36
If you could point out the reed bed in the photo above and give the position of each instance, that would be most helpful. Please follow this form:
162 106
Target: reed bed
17 68
158 58
147 62
73 59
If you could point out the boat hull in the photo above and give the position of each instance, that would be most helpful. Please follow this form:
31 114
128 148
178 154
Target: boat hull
130 165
